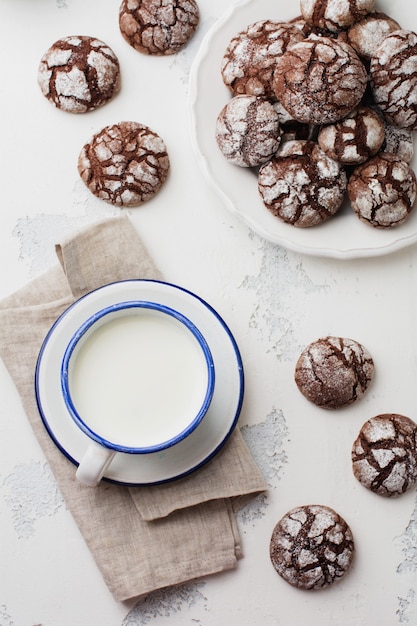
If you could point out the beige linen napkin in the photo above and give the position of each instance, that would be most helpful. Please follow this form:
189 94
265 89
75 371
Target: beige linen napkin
142 538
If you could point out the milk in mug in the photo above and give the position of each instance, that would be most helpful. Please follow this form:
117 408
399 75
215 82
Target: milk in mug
139 379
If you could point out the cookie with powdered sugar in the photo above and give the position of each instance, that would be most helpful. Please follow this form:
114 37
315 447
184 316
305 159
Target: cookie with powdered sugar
319 80
124 164
158 27
383 191
334 15
301 185
354 139
248 131
334 372
393 78
79 74
312 547
366 35
384 455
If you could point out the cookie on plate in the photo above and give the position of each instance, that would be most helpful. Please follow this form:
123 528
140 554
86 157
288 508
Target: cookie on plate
354 139
248 131
366 35
124 164
393 78
311 547
334 372
384 455
79 74
319 80
383 191
301 185
249 60
334 15
158 27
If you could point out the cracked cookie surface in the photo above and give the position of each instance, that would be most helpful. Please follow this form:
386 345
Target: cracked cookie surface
319 80
383 191
158 27
311 547
301 184
334 372
384 455
124 164
79 74
334 15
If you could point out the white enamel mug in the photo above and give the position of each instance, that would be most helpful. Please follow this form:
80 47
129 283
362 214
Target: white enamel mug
137 378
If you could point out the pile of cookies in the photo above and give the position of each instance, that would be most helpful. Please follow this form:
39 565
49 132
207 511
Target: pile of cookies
323 108
124 164
312 546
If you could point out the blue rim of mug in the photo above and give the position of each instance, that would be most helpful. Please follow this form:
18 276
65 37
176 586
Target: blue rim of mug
97 317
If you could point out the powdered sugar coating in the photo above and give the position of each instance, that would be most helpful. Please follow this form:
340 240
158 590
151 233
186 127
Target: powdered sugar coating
248 130
383 191
311 547
249 59
399 142
355 138
158 27
366 35
334 372
124 164
302 185
319 80
393 78
79 74
334 15
384 455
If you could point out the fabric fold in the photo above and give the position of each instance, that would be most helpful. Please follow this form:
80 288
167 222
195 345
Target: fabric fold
142 538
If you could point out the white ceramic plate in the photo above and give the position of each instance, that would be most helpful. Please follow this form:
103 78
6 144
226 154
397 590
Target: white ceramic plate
208 437
343 236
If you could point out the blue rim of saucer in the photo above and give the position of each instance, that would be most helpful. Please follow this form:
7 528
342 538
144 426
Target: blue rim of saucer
128 306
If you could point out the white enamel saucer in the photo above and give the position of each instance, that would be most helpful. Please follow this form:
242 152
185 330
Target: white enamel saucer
203 443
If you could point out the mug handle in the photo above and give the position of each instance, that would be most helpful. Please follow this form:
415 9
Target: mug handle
94 463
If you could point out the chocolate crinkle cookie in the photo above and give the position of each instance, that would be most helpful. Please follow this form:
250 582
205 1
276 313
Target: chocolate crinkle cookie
393 78
366 35
79 74
384 455
334 372
158 27
311 547
334 15
301 184
249 60
248 131
319 80
383 191
354 139
124 164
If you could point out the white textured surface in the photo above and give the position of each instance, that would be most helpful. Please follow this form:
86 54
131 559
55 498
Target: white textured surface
275 302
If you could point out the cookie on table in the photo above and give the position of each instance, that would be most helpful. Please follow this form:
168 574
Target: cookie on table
249 60
248 130
366 35
301 185
393 78
384 455
312 547
383 191
319 80
334 15
79 74
334 372
354 139
158 27
124 164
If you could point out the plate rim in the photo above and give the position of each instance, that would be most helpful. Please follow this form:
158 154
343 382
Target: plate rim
239 369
